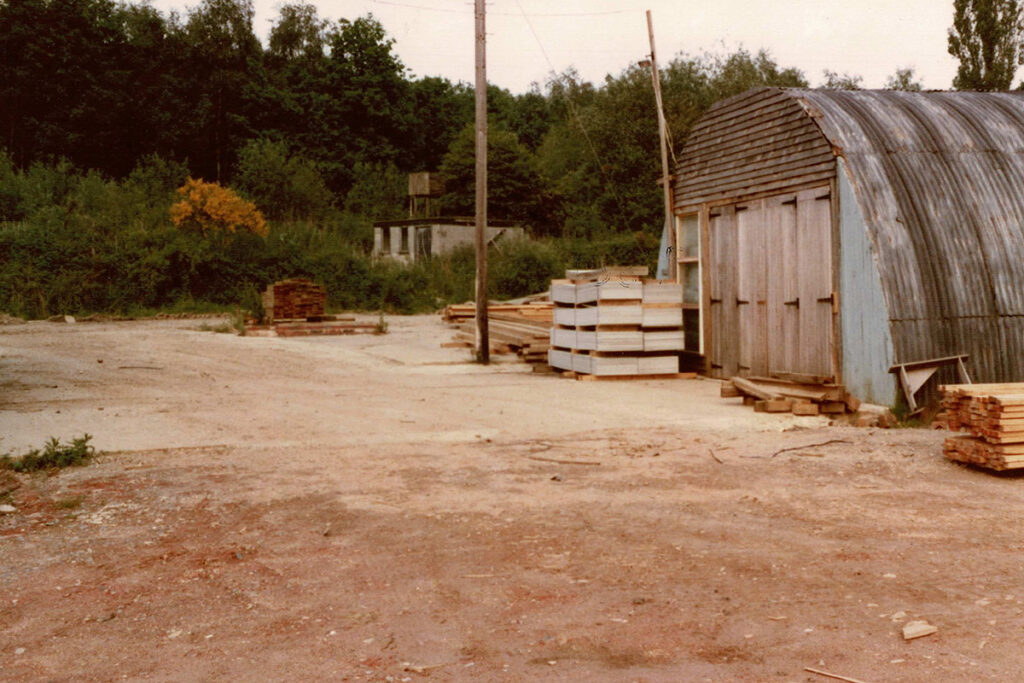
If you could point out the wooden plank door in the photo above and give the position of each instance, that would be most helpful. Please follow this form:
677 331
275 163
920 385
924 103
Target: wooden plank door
814 281
751 288
783 305
722 297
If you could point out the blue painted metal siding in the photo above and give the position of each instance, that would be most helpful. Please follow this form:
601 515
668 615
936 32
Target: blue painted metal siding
867 344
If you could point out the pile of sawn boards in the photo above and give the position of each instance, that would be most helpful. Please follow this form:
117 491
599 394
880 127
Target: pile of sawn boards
539 310
522 329
992 415
772 395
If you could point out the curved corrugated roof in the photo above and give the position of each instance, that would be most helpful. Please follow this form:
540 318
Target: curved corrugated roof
940 180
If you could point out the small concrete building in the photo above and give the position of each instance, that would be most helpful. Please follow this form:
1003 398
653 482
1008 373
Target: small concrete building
414 239
426 233
834 234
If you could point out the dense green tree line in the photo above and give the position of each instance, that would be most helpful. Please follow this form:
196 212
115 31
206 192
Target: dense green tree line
107 107
103 84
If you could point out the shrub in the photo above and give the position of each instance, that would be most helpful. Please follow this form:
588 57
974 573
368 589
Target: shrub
211 209
54 455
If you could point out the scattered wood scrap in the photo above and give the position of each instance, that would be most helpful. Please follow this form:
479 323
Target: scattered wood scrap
992 419
775 395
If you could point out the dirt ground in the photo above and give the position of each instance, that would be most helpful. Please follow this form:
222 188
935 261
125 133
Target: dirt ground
375 508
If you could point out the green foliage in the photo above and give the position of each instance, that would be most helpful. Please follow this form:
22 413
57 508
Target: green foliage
54 455
836 81
284 186
520 267
514 188
903 79
987 39
379 191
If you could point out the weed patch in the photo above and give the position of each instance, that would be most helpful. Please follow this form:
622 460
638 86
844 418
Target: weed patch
54 455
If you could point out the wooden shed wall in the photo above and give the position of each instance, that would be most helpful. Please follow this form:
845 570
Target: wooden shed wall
755 143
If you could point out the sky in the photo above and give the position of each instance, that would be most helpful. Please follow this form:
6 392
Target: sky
528 39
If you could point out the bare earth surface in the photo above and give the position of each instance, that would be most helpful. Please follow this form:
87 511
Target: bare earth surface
375 508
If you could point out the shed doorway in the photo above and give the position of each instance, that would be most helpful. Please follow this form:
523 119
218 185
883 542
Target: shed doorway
770 276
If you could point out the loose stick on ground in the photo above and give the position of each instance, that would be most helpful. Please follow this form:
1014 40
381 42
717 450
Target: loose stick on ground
807 445
826 674
563 462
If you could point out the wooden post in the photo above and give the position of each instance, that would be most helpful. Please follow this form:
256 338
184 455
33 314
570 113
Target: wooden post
673 261
483 346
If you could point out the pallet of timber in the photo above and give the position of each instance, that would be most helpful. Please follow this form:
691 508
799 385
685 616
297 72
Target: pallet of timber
662 315
609 340
976 451
563 337
662 292
991 412
533 310
607 313
614 289
663 340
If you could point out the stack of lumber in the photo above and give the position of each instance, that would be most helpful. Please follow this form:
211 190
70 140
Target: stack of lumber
539 311
295 299
508 333
616 325
992 415
800 395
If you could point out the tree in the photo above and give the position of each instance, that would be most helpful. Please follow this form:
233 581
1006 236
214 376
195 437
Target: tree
283 185
986 37
903 79
211 210
513 183
836 81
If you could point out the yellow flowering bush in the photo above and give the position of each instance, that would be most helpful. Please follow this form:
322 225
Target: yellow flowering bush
210 208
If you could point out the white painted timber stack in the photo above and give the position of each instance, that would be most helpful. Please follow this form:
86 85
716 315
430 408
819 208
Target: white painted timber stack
617 326
617 314
662 315
610 340
663 340
560 359
563 338
662 292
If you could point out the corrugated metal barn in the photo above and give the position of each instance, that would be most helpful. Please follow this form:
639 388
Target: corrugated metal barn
836 233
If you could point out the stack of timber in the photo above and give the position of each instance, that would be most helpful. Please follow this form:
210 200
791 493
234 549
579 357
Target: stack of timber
509 332
539 310
800 395
992 417
295 299
295 308
616 325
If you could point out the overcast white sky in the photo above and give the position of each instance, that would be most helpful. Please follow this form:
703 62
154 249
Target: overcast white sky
870 38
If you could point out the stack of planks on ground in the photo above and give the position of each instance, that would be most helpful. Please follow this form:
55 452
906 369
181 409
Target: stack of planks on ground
616 325
992 415
510 331
295 308
539 310
802 396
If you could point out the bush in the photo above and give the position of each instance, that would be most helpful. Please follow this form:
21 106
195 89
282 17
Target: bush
53 456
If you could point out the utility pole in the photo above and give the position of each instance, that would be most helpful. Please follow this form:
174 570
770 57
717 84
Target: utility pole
666 176
483 344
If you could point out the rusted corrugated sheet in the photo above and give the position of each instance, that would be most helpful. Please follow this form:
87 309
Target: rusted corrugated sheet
939 178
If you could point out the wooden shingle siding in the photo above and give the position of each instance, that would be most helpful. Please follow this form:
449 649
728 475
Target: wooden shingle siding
751 144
